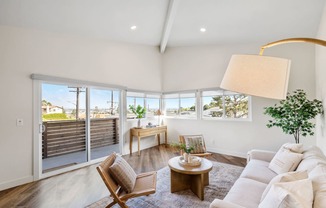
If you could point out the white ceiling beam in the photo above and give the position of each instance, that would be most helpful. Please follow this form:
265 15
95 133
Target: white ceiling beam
170 17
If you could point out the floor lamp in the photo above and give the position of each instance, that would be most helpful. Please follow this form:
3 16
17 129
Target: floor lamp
259 75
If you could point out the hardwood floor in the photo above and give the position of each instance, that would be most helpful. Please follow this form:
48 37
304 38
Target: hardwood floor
84 186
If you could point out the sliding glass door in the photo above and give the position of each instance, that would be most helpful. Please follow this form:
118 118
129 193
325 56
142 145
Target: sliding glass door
79 124
104 122
64 126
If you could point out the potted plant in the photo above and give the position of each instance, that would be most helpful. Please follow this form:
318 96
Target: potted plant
139 111
184 148
294 113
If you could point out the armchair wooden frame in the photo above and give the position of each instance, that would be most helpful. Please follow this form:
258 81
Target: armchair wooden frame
204 154
145 184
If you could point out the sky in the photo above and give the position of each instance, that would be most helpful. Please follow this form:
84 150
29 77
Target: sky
61 95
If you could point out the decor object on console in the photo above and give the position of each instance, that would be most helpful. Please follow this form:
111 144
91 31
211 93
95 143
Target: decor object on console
294 113
259 75
142 185
139 111
259 186
159 113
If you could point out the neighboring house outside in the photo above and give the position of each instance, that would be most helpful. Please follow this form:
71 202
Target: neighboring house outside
50 109
213 112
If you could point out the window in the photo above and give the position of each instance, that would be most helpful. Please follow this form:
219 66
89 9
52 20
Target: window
152 105
150 101
224 104
180 105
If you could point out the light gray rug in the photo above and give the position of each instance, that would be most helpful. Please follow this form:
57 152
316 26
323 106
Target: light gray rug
221 179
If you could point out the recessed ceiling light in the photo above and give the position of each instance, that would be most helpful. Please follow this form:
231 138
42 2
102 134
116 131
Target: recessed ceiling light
134 27
202 29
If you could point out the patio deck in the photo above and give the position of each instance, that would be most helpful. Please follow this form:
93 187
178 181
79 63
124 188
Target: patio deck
57 162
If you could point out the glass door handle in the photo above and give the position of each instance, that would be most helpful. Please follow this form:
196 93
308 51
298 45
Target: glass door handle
41 128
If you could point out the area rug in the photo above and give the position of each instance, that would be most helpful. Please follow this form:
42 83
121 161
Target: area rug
221 179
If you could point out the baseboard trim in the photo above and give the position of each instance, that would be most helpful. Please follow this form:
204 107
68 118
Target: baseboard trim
17 182
227 152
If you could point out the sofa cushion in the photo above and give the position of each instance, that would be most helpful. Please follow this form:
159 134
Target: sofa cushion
285 161
246 192
296 194
285 177
313 151
258 170
310 163
318 178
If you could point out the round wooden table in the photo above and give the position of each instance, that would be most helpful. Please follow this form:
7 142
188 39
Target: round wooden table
193 177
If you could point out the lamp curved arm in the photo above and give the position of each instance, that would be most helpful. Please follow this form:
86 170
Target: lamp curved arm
292 40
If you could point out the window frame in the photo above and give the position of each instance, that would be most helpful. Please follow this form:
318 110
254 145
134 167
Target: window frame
179 96
224 93
144 95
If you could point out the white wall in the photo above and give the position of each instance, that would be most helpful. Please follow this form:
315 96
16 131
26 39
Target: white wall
203 67
23 52
321 83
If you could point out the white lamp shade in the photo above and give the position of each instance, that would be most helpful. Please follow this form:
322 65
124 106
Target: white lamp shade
257 75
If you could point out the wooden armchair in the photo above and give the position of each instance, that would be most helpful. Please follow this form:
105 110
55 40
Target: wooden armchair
145 184
182 139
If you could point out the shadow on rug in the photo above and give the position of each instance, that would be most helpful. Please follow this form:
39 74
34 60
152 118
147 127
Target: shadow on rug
221 179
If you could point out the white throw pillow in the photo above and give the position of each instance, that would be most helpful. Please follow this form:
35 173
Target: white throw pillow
297 148
285 177
318 178
285 161
296 194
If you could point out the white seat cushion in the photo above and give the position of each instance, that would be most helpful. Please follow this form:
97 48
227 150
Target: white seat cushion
246 192
318 178
258 170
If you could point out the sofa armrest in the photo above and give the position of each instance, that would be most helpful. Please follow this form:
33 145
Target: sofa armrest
264 155
217 203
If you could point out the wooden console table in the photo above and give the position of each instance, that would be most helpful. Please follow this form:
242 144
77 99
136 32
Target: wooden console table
154 131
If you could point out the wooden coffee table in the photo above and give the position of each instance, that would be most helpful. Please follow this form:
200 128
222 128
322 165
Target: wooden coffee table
193 177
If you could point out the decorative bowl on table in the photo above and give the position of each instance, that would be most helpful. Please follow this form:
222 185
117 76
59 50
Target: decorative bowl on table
194 161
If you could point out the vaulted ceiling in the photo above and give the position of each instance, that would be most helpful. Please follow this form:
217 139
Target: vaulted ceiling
169 23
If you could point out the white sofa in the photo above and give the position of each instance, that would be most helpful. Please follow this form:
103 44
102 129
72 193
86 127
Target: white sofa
248 189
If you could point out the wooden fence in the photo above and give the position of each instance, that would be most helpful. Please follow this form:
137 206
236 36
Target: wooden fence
64 137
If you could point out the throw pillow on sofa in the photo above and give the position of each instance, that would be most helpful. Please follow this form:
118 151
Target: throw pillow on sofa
318 178
285 177
293 147
285 161
296 194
